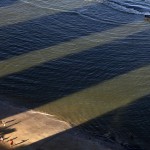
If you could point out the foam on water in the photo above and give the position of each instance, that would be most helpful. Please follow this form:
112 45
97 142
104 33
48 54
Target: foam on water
69 6
131 6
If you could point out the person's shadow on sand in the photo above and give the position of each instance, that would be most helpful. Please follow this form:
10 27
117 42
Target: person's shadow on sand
21 142
6 138
13 124
12 139
10 121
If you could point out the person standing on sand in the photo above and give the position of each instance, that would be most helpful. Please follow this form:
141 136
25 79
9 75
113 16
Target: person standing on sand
2 122
11 143
1 139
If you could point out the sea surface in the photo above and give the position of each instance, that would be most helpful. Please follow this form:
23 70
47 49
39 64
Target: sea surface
86 62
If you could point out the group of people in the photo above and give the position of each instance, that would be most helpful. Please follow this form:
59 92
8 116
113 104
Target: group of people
11 141
1 137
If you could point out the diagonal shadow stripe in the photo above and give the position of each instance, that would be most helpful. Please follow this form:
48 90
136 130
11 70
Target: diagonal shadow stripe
31 59
51 30
101 98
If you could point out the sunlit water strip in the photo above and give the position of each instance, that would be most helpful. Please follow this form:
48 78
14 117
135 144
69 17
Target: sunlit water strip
102 98
20 12
35 58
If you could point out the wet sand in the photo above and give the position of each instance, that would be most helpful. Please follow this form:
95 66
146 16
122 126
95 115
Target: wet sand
32 130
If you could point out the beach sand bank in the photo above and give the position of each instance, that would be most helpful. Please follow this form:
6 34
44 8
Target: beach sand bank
31 130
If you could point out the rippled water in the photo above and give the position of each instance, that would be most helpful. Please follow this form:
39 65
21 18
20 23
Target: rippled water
86 62
131 6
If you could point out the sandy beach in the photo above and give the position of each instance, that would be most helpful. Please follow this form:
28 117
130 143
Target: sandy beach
32 130
27 127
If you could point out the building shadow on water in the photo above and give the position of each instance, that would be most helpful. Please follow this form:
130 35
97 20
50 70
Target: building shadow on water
128 126
57 28
63 76
70 74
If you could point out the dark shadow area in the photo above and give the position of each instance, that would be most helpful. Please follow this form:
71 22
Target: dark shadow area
2 147
64 76
127 126
4 3
51 30
5 131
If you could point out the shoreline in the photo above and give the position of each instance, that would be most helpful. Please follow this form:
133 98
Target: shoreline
23 123
28 133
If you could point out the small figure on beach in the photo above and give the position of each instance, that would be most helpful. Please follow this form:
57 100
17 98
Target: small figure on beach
1 139
11 142
147 18
2 122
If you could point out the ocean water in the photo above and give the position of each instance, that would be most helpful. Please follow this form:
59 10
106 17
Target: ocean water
86 62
